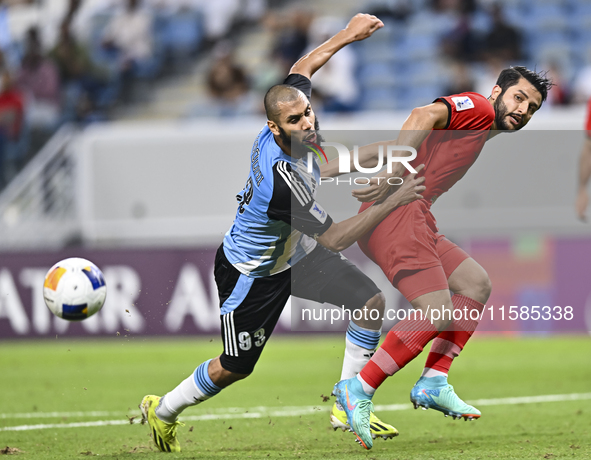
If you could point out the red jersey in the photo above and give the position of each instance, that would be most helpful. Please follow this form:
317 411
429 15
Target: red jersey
408 238
11 113
448 153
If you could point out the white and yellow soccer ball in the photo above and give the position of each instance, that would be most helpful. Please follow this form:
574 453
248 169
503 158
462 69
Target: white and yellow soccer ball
74 289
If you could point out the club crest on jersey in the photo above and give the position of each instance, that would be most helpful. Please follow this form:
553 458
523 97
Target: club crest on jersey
462 103
317 211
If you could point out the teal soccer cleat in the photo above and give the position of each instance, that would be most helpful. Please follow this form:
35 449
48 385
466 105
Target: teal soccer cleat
358 407
436 393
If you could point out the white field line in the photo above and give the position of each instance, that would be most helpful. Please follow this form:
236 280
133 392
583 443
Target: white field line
262 411
60 414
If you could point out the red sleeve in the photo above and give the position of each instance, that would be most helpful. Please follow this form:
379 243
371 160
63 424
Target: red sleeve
468 111
588 124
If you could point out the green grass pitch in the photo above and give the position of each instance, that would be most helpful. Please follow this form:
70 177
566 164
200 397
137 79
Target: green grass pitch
48 382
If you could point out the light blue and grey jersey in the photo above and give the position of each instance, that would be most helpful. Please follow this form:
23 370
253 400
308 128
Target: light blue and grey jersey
278 217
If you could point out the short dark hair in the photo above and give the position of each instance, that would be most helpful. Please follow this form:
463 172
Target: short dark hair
277 94
511 76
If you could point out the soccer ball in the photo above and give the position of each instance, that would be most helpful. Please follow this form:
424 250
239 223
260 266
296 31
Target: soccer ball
74 289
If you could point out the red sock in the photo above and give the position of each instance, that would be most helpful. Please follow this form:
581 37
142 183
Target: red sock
403 343
450 342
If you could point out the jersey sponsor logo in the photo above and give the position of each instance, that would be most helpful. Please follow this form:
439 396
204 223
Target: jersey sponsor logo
317 211
462 103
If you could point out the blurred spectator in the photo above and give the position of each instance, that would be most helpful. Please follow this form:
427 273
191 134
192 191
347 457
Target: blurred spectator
582 85
462 43
460 79
11 108
72 58
487 79
291 36
560 94
219 15
38 78
11 122
398 10
83 82
334 83
228 85
128 38
503 41
8 48
458 6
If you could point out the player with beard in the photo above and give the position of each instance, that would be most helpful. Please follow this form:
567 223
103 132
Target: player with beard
419 261
284 243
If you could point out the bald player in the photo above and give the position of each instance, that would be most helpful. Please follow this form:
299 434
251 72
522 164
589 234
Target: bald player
284 243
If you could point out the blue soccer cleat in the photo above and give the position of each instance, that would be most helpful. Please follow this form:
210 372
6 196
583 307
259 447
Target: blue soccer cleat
358 407
436 393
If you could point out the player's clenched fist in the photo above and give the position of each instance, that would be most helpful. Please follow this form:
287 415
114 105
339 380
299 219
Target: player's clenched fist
362 26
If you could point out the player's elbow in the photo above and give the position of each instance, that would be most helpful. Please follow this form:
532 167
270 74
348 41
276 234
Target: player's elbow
422 113
301 68
334 246
333 240
426 117
418 112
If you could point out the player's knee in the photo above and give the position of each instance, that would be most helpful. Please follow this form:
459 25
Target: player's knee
226 378
370 316
377 302
478 287
483 288
236 377
375 308
221 375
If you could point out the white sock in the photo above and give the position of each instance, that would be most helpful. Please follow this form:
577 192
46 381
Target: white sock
173 403
355 358
360 345
187 393
428 372
367 388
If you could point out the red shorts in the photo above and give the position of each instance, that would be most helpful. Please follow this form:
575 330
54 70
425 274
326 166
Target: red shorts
411 252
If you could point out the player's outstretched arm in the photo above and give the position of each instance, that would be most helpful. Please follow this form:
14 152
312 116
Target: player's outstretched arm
413 132
359 28
343 234
584 176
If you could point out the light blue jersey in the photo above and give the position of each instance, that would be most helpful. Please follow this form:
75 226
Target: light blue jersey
276 212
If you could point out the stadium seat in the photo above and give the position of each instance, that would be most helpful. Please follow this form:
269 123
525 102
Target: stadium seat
378 99
180 34
378 74
515 13
538 42
418 47
580 17
379 52
547 18
417 96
